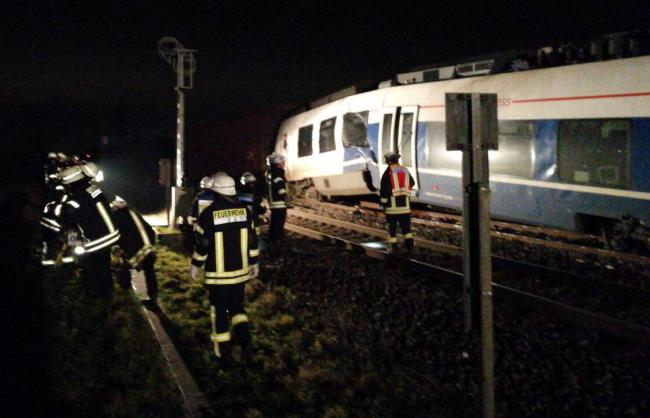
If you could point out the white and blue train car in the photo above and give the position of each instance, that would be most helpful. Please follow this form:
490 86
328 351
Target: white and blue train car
574 143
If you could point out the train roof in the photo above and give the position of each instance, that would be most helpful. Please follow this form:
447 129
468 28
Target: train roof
608 47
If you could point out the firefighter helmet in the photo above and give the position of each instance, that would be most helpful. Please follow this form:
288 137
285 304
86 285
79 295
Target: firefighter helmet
223 184
118 203
274 159
247 178
392 156
72 174
90 169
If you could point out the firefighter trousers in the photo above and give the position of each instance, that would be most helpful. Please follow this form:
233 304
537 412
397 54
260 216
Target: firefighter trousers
96 278
404 222
226 309
278 217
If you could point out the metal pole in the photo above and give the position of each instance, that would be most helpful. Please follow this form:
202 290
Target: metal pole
478 242
180 138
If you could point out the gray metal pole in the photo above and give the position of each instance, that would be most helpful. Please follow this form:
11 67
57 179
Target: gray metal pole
180 138
471 127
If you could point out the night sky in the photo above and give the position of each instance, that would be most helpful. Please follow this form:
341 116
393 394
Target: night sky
74 72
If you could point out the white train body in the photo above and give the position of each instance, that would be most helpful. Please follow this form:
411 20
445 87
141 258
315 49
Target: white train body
546 117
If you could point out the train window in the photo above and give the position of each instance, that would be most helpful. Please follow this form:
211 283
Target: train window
386 137
326 138
435 154
594 152
516 154
304 141
405 141
355 129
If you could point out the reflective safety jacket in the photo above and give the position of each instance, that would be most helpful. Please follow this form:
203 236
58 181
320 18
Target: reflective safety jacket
87 210
395 190
227 243
277 188
136 235
52 234
202 200
253 202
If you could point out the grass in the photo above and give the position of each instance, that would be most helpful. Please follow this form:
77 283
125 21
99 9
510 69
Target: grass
102 357
306 362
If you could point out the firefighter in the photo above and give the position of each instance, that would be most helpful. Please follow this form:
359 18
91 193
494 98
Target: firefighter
136 244
54 250
277 194
249 196
227 248
394 195
203 198
89 228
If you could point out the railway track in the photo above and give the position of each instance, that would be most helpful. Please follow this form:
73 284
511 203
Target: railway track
617 310
577 243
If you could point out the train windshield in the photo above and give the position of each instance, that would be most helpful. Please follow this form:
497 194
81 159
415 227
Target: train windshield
355 129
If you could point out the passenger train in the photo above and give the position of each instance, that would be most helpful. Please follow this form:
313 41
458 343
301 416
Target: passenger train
573 151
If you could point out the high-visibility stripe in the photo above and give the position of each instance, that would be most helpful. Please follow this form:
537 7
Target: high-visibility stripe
254 253
258 230
105 216
140 255
239 318
198 257
278 204
51 222
47 262
392 240
74 204
52 227
243 242
198 229
57 210
222 282
103 245
277 179
213 318
218 256
141 230
398 210
102 239
67 260
282 191
383 199
221 337
409 235
227 274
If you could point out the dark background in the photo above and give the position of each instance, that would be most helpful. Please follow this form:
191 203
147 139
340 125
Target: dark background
74 72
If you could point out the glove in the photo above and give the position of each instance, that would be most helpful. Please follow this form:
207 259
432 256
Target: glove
255 271
194 272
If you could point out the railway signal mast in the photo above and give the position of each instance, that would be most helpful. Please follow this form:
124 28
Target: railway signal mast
471 126
184 64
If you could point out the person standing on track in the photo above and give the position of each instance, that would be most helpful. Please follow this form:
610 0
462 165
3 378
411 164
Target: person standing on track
394 195
277 194
227 248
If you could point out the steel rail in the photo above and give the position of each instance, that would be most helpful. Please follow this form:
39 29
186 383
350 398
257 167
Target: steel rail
582 317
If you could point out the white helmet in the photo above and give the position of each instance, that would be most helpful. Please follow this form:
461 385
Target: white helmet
90 169
274 158
118 203
72 174
223 184
247 178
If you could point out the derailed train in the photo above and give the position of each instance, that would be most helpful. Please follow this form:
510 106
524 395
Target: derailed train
574 140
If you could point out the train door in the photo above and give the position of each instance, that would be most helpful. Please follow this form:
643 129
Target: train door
407 139
387 136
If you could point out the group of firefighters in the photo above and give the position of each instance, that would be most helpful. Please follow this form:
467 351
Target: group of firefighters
106 239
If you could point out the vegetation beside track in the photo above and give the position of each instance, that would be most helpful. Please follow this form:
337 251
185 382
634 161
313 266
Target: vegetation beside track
315 355
102 358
